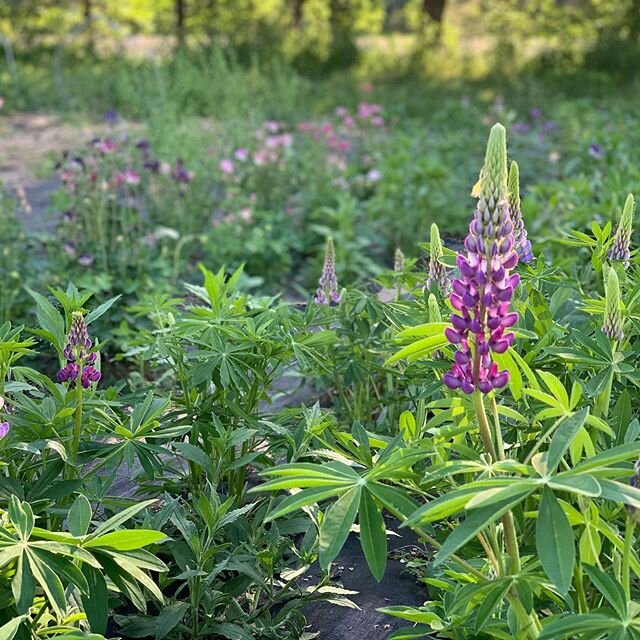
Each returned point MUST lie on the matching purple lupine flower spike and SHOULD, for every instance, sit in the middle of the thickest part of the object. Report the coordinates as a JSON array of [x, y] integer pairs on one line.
[[481, 296], [4, 429], [79, 359], [327, 291], [523, 246]]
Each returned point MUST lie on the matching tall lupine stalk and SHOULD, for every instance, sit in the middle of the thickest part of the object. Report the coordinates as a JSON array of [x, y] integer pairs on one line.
[[437, 272], [79, 370], [327, 291], [621, 248], [481, 321], [522, 244], [482, 294]]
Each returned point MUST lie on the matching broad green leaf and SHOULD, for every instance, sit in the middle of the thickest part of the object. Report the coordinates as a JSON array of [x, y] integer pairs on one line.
[[373, 536], [419, 349], [169, 618], [571, 626], [306, 497], [410, 633], [50, 583], [120, 518], [101, 309], [554, 542], [395, 501], [230, 631], [9, 630], [475, 522], [79, 516], [23, 585], [96, 602], [608, 458], [564, 434], [336, 525], [492, 601], [582, 484], [412, 614], [126, 539], [620, 493], [609, 588], [21, 516]]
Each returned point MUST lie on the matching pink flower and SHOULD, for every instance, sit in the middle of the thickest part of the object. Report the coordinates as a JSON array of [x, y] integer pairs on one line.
[[131, 177], [373, 175], [241, 154], [107, 145], [326, 128], [1, 102], [377, 121], [349, 122], [367, 110], [261, 157], [306, 126], [342, 112], [226, 166], [272, 125]]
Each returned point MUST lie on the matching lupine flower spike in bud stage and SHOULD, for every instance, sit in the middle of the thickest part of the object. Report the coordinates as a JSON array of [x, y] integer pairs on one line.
[[612, 324], [437, 271], [327, 291], [523, 246], [621, 248], [398, 261], [80, 359], [481, 296]]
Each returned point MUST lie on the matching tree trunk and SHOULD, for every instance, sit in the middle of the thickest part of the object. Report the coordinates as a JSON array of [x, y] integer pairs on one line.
[[180, 10], [434, 9], [296, 12]]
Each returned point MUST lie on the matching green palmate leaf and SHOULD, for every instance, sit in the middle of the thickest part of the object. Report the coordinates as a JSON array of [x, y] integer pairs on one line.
[[126, 539], [395, 500], [492, 601], [169, 618], [475, 522], [564, 434], [336, 525], [23, 585], [96, 602], [373, 536], [419, 349], [554, 542], [620, 493], [609, 588], [9, 630], [605, 459], [79, 516], [587, 625], [304, 498], [120, 518], [50, 583], [583, 484], [101, 309]]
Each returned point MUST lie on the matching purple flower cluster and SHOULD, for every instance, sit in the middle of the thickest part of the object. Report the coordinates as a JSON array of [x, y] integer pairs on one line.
[[481, 296], [327, 291], [80, 360], [4, 429]]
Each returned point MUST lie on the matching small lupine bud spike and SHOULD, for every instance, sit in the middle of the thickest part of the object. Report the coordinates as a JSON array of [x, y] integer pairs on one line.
[[79, 359], [493, 176], [522, 244], [434, 309], [327, 291], [612, 324], [398, 261], [437, 272], [621, 248]]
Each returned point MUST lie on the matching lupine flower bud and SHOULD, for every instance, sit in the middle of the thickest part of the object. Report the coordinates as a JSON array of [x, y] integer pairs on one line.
[[612, 324], [437, 271], [398, 261], [523, 246], [621, 247], [434, 316], [80, 360], [327, 291], [481, 296]]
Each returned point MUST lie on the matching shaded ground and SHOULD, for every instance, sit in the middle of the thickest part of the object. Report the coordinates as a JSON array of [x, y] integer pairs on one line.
[[398, 587]]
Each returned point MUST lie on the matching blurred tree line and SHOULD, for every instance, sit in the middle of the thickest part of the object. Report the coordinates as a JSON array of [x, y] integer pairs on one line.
[[322, 34]]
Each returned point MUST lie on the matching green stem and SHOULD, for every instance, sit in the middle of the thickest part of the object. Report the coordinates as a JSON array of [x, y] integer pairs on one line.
[[583, 607], [483, 424], [626, 557], [77, 428]]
